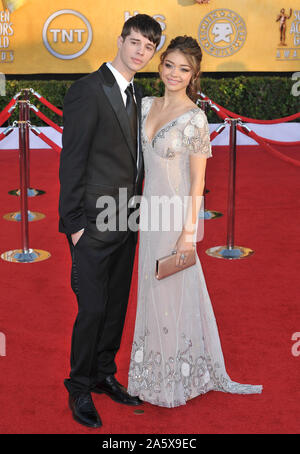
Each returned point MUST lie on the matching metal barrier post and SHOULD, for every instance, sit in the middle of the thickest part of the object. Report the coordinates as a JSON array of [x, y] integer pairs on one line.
[[31, 192], [230, 251], [207, 214], [24, 255]]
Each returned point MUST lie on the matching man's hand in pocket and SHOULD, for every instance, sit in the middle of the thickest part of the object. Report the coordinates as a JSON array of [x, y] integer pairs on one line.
[[75, 236]]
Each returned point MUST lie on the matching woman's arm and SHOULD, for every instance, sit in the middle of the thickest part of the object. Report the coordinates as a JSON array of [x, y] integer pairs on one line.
[[185, 243]]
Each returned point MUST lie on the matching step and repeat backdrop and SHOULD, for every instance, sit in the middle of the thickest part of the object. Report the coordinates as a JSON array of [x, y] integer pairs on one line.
[[75, 36]]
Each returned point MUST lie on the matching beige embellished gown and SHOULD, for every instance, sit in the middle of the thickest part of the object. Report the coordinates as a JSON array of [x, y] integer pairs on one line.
[[176, 352]]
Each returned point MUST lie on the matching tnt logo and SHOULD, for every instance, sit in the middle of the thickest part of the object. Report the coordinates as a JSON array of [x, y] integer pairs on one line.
[[67, 34]]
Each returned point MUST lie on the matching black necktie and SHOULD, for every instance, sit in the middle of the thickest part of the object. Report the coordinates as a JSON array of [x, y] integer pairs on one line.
[[132, 113]]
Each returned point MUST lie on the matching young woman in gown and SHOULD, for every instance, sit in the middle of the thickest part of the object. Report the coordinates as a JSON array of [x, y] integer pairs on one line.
[[176, 353]]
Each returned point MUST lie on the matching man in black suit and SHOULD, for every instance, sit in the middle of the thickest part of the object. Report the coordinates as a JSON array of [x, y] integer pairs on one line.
[[102, 154]]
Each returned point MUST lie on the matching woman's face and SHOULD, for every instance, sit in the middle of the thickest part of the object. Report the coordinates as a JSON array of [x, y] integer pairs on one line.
[[176, 71]]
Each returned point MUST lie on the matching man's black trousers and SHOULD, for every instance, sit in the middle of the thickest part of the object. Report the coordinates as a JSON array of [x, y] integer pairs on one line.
[[100, 278]]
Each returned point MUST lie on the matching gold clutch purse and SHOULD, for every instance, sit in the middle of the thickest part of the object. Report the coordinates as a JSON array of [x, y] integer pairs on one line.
[[166, 266]]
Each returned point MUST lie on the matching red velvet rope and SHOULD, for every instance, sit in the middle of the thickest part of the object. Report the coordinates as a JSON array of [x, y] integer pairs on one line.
[[221, 114], [46, 139], [47, 120], [283, 144], [4, 112], [268, 147], [262, 142], [4, 118], [215, 134], [253, 120], [5, 134], [48, 104]]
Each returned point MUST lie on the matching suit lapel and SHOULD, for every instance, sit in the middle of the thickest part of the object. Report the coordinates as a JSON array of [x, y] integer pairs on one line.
[[139, 112], [112, 92]]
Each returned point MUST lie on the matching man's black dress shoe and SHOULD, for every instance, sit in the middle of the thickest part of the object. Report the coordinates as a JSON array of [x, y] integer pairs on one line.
[[116, 391], [83, 410]]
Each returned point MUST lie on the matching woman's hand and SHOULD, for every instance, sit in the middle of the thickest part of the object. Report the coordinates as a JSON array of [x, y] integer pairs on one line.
[[184, 247]]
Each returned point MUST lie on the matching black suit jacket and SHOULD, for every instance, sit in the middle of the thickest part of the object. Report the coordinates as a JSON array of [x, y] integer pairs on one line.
[[98, 154]]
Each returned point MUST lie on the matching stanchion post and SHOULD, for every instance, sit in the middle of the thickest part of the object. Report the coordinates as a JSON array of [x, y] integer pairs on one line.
[[24, 105], [206, 214], [23, 181], [24, 255], [231, 184], [27, 118], [231, 251], [204, 105]]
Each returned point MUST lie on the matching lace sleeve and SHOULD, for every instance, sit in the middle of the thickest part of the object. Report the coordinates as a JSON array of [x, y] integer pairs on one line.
[[196, 137], [146, 104]]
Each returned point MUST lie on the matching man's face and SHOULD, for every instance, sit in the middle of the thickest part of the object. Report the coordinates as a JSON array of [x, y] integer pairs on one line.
[[135, 51]]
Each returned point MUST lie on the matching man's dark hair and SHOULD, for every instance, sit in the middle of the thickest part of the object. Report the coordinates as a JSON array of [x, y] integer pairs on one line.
[[144, 24]]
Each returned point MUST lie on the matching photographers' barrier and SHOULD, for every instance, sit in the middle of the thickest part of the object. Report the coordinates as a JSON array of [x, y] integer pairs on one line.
[[265, 143], [46, 103], [26, 254], [8, 109], [31, 192], [230, 251], [24, 115]]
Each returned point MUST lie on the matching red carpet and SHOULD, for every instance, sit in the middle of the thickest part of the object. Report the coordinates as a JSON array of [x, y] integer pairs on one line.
[[256, 303]]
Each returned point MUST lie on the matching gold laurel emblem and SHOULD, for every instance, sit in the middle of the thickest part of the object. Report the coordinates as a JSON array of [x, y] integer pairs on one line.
[[222, 32]]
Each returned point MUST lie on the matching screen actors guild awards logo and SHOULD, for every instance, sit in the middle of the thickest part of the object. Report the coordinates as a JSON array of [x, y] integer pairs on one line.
[[282, 18], [222, 33], [6, 32], [289, 35]]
